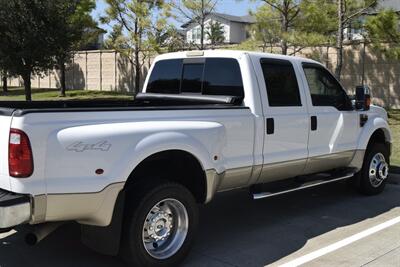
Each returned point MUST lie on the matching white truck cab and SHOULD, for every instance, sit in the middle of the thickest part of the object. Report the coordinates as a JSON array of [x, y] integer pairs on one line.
[[132, 172]]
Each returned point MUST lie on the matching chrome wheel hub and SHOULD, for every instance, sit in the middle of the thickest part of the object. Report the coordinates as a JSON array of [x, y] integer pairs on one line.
[[378, 170], [159, 226], [165, 228]]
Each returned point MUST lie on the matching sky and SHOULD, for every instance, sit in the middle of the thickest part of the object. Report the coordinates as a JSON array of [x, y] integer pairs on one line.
[[231, 7]]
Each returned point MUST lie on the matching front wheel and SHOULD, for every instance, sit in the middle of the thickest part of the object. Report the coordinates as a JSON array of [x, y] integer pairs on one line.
[[160, 225], [374, 173]]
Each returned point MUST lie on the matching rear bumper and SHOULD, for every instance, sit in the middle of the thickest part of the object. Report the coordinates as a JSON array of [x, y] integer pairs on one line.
[[15, 209]]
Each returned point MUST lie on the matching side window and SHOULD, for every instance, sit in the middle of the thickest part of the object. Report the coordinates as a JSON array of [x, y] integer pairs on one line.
[[166, 77], [222, 76], [325, 90], [281, 82]]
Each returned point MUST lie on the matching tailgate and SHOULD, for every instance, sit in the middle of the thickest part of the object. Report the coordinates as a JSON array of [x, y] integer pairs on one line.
[[5, 123]]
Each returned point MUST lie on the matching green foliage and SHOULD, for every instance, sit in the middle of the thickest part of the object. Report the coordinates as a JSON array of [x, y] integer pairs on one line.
[[27, 33], [76, 30], [248, 45], [384, 33], [319, 17], [139, 25], [115, 39], [174, 40], [267, 30], [215, 33], [294, 24]]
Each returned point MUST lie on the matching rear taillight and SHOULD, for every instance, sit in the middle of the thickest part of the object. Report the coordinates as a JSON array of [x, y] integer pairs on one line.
[[20, 160]]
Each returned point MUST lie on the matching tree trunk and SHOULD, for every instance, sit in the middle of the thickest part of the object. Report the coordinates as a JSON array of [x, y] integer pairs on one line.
[[203, 18], [62, 79], [27, 85], [137, 71], [202, 35], [5, 87], [138, 34], [339, 40], [284, 47]]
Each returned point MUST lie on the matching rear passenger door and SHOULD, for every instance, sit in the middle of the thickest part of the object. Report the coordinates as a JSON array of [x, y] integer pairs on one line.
[[286, 119]]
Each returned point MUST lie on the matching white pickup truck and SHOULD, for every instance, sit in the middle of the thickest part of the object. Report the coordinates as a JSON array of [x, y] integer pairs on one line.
[[132, 173]]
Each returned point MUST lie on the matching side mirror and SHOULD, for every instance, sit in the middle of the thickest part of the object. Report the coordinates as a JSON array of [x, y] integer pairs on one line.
[[363, 98]]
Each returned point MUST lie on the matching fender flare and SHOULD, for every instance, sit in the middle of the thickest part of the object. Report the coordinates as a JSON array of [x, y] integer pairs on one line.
[[370, 128]]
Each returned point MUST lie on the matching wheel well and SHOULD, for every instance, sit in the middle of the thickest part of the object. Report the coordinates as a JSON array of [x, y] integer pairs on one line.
[[172, 165], [379, 137]]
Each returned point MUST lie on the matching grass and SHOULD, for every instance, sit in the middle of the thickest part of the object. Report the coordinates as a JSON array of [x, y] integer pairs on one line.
[[17, 93], [394, 122]]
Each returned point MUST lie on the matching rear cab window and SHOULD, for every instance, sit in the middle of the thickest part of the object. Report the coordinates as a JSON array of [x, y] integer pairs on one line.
[[206, 76], [281, 83]]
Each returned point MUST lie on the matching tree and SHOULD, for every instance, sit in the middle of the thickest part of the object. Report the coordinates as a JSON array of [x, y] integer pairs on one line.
[[348, 11], [288, 11], [115, 39], [77, 28], [196, 11], [267, 29], [27, 30], [139, 19], [4, 78], [293, 24], [383, 32], [173, 39], [215, 33]]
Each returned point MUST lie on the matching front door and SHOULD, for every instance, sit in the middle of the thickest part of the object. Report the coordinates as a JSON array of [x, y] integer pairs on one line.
[[335, 125], [286, 120]]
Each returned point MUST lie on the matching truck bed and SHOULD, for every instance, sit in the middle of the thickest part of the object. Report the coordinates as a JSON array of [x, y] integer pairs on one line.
[[142, 102]]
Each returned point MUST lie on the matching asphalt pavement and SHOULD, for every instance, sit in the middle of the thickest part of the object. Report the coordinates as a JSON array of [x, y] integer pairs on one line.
[[325, 226]]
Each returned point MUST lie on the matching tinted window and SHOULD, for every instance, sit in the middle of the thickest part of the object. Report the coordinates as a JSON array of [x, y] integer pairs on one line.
[[211, 76], [222, 76], [325, 90], [166, 77], [192, 78], [281, 83]]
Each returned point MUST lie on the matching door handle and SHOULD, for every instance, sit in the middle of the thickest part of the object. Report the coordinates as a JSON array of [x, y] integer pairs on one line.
[[270, 126], [314, 123]]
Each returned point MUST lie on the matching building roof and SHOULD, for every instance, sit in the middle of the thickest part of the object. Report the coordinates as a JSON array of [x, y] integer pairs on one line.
[[248, 19]]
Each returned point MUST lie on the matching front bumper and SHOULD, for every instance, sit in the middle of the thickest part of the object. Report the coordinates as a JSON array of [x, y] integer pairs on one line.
[[15, 209]]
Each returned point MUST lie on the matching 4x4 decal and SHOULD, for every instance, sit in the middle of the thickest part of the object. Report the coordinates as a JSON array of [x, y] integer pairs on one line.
[[81, 146]]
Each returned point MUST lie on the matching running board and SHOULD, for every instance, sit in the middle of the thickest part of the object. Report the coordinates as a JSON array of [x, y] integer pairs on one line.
[[303, 186]]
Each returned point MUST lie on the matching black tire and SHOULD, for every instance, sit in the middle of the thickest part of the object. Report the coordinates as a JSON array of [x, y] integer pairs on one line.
[[362, 181], [140, 202]]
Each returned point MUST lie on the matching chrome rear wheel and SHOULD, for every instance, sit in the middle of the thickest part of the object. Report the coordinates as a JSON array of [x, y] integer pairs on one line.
[[165, 228]]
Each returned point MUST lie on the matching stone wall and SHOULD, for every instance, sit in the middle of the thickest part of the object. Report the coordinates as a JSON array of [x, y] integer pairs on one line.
[[109, 71], [91, 70], [381, 74]]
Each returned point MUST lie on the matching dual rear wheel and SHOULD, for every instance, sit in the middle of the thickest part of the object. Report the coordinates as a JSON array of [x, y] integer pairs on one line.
[[159, 226]]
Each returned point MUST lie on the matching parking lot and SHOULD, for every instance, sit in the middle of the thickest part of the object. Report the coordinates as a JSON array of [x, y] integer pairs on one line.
[[325, 226]]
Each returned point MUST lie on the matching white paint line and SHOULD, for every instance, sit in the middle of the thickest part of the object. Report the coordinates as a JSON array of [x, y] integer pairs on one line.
[[335, 246]]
